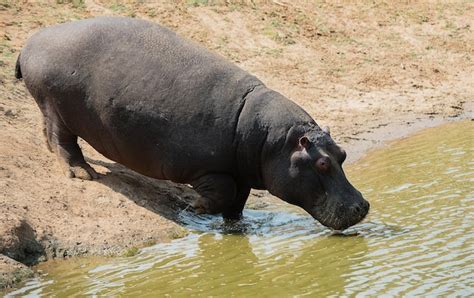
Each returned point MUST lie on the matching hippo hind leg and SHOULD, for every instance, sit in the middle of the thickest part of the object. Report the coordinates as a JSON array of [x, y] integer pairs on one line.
[[64, 144]]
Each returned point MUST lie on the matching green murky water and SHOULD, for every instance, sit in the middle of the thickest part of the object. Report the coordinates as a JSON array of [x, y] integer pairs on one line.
[[417, 241]]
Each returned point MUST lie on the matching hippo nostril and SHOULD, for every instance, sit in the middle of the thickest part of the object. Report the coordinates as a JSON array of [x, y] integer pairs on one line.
[[357, 209]]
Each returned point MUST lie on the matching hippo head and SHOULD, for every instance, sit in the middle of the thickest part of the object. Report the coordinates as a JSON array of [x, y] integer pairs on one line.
[[308, 173]]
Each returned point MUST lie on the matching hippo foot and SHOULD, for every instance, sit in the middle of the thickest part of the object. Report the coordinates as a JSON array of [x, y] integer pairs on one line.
[[82, 171]]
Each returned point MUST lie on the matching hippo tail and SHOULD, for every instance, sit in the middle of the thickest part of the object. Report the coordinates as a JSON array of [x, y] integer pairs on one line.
[[18, 74]]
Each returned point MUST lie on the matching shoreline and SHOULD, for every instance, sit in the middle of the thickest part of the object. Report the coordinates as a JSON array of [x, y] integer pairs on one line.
[[381, 137], [13, 273]]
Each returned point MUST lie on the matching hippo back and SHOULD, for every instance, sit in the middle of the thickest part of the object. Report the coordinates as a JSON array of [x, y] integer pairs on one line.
[[140, 94]]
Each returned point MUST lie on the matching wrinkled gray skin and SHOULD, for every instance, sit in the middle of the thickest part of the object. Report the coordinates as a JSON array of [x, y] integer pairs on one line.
[[169, 109]]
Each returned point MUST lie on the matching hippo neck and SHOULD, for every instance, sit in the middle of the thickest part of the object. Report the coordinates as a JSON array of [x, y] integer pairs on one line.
[[264, 124]]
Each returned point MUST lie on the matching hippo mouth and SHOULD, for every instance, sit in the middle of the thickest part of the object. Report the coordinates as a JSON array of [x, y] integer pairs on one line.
[[339, 216]]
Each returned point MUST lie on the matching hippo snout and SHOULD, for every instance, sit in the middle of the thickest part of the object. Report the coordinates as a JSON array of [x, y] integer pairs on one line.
[[339, 215]]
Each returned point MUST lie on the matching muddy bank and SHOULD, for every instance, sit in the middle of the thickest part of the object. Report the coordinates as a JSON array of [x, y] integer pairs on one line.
[[371, 77], [12, 272]]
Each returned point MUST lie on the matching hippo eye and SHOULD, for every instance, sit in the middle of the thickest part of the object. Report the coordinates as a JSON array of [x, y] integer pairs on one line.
[[323, 164]]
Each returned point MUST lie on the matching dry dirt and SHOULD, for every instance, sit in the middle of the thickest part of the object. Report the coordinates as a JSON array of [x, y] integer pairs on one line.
[[372, 70]]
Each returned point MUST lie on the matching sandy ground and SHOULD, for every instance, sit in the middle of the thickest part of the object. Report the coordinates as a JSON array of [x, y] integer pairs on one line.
[[373, 71]]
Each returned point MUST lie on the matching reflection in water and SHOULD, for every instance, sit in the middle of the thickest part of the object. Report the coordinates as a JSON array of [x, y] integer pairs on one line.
[[279, 252], [417, 240]]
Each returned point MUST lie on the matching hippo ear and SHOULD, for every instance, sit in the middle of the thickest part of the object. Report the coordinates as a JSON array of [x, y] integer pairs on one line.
[[304, 142], [326, 130]]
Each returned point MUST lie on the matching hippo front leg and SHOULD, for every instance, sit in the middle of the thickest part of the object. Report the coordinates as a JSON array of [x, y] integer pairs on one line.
[[235, 208], [220, 194]]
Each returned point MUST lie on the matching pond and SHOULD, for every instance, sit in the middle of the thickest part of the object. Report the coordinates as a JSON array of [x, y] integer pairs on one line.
[[417, 241]]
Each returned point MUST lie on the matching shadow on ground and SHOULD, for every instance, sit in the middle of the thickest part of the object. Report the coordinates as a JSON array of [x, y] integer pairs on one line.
[[165, 198]]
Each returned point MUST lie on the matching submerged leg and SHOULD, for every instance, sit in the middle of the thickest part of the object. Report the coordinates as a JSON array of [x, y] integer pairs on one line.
[[234, 209]]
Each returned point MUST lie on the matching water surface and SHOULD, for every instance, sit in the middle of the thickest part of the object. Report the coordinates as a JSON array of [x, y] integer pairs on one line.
[[417, 241]]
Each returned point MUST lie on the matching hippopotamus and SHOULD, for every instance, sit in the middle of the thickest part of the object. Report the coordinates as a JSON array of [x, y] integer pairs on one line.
[[170, 109]]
